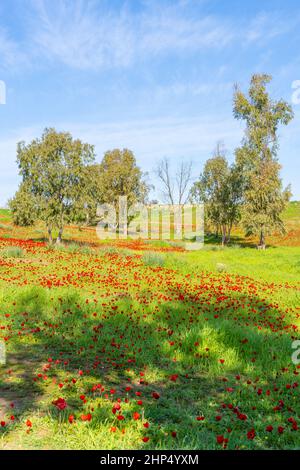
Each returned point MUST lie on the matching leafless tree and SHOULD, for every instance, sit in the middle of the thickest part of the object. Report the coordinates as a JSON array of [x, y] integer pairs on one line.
[[175, 188]]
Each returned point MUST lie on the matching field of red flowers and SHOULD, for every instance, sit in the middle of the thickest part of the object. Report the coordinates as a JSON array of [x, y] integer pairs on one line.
[[109, 349]]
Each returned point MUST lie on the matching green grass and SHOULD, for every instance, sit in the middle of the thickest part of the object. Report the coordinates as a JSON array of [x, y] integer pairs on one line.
[[153, 259], [131, 320], [12, 252], [140, 318], [292, 211]]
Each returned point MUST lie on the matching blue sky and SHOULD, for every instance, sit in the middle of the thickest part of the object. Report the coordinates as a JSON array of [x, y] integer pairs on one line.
[[154, 76]]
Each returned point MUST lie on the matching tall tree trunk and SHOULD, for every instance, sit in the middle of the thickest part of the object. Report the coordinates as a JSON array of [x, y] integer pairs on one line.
[[59, 236], [224, 240], [50, 235], [229, 233], [262, 243]]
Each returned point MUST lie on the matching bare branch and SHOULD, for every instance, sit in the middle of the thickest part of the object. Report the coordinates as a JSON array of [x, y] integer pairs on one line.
[[183, 178], [163, 173]]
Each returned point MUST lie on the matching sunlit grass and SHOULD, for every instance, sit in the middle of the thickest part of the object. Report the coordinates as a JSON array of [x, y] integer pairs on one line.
[[169, 323]]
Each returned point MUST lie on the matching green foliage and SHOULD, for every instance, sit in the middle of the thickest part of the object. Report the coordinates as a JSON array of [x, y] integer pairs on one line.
[[256, 159], [70, 248], [86, 208], [120, 176], [74, 248], [24, 206], [153, 259], [12, 252], [219, 188], [56, 180]]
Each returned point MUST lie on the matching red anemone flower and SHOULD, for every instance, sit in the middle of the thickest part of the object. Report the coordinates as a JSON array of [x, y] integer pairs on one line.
[[60, 403]]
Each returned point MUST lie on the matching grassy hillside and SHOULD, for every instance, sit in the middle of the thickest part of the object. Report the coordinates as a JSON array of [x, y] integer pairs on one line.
[[150, 347]]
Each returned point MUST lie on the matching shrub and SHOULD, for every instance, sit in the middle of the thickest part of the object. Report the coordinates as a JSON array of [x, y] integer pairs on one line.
[[221, 268], [74, 248], [12, 252], [86, 250], [153, 259], [110, 250]]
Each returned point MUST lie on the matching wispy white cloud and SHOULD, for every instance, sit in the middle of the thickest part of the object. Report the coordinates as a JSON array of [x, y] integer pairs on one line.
[[88, 34], [82, 36], [167, 31], [77, 35], [266, 26], [11, 55], [191, 88], [151, 139]]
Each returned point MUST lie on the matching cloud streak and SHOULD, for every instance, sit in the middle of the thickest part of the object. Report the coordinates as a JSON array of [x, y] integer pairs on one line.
[[75, 34], [90, 35], [265, 27], [11, 55], [85, 35]]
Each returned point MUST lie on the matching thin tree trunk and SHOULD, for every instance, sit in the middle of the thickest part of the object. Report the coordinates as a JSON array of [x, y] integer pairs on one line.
[[229, 233], [224, 235], [59, 236], [50, 235], [262, 243]]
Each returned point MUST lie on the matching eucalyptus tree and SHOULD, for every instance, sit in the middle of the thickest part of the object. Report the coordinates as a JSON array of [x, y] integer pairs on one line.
[[121, 176], [219, 188], [55, 183], [256, 159]]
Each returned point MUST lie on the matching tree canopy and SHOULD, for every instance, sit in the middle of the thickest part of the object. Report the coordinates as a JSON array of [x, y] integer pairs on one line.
[[121, 176], [55, 180], [219, 188], [256, 159]]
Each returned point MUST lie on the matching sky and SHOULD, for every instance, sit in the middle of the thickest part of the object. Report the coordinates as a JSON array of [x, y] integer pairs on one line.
[[153, 76]]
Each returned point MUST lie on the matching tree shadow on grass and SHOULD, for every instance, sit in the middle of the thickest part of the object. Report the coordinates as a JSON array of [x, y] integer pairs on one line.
[[212, 240], [123, 342]]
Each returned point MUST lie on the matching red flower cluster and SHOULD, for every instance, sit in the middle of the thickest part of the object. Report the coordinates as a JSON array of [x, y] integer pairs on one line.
[[60, 403]]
